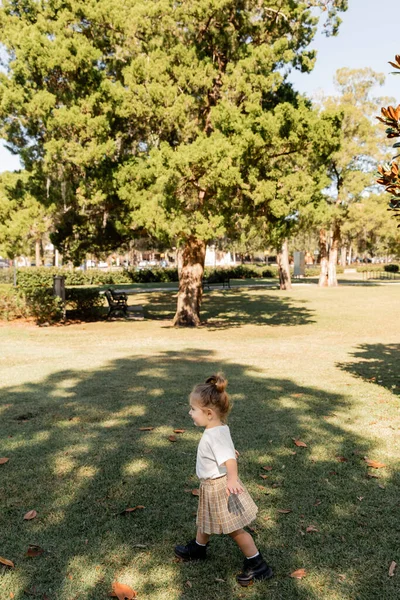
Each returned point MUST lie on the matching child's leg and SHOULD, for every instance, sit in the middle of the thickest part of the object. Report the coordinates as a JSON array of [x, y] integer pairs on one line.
[[202, 538], [245, 542]]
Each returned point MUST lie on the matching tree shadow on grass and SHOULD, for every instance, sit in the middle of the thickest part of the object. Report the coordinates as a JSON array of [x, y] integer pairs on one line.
[[235, 308], [376, 363], [80, 459]]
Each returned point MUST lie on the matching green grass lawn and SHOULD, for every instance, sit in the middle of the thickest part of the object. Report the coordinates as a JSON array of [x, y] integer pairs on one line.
[[317, 365]]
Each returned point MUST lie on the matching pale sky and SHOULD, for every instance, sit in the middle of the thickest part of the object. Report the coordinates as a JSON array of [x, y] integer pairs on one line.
[[368, 37]]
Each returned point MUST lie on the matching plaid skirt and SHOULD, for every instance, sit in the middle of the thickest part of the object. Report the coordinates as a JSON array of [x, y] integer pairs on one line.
[[219, 513]]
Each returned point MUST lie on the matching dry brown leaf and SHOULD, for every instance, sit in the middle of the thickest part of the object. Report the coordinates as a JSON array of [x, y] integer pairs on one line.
[[129, 510], [189, 584], [34, 550], [146, 428], [299, 574], [297, 395], [6, 562], [317, 502], [4, 460], [374, 464], [360, 498], [267, 468], [12, 595], [172, 438], [284, 511], [264, 476], [341, 459], [392, 567], [341, 577], [381, 486], [299, 443], [311, 528], [196, 492], [179, 430], [372, 476], [122, 591], [30, 515], [220, 580]]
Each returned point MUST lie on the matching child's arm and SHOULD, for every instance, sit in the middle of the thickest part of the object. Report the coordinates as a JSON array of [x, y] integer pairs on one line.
[[232, 484]]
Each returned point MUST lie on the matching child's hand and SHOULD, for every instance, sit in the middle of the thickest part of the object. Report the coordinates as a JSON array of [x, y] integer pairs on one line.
[[237, 454], [233, 487]]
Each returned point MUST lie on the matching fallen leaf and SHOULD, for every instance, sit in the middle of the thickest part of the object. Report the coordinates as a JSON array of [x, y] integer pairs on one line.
[[264, 476], [374, 463], [139, 545], [372, 476], [122, 591], [179, 430], [267, 468], [172, 438], [392, 567], [30, 515], [341, 577], [341, 459], [311, 528], [317, 502], [360, 498], [196, 492], [293, 452], [11, 595], [220, 580], [146, 428], [6, 562], [284, 511], [297, 395], [381, 486], [189, 584], [299, 574], [34, 550], [276, 485], [299, 443], [129, 510], [4, 460]]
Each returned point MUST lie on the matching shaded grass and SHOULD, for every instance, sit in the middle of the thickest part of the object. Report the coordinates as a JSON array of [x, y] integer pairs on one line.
[[299, 366]]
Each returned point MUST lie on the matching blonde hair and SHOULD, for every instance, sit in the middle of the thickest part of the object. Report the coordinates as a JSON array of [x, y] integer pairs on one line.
[[212, 393]]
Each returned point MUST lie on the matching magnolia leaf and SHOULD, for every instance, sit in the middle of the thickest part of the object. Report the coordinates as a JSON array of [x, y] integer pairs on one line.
[[264, 476], [311, 528], [179, 430], [374, 464], [196, 492], [4, 460], [34, 550], [299, 443], [30, 515], [267, 468], [392, 567], [6, 562], [130, 510], [146, 428], [284, 511], [122, 591], [172, 438], [299, 574]]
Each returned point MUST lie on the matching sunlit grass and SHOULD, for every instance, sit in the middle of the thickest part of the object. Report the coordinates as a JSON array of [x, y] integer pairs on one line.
[[316, 365]]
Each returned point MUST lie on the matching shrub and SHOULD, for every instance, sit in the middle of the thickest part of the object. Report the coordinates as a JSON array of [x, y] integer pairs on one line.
[[12, 304], [6, 275], [270, 272], [84, 302], [43, 305], [391, 268]]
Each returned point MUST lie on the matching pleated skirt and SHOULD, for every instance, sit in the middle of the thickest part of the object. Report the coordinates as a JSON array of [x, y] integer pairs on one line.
[[219, 513]]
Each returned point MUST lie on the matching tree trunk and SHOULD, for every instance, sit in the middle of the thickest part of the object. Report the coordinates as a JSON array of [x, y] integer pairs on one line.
[[38, 253], [190, 284], [283, 267], [343, 256], [323, 255], [333, 255]]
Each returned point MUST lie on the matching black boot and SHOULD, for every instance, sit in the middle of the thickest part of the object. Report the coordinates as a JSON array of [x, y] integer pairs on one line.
[[192, 551], [254, 569]]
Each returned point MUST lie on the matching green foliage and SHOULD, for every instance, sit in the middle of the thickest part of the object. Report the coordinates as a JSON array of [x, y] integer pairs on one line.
[[171, 118], [6, 275], [12, 304], [391, 268], [84, 302], [43, 305]]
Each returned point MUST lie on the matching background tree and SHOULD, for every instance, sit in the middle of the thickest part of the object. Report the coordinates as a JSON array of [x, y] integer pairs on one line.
[[351, 169], [167, 116]]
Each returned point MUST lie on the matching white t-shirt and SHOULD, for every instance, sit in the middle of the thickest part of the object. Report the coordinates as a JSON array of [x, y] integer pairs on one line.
[[215, 447]]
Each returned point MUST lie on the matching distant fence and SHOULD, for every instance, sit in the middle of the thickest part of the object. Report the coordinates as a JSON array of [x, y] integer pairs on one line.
[[380, 275]]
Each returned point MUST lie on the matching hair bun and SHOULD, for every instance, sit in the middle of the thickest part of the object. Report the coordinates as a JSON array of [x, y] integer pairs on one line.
[[218, 381]]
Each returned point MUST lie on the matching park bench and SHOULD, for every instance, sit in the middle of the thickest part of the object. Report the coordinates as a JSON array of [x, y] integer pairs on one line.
[[223, 280], [118, 305]]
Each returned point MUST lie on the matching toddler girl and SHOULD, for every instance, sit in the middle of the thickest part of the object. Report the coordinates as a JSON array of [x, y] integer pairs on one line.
[[225, 506]]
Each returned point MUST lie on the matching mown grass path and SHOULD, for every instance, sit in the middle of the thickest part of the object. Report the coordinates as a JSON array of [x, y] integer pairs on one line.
[[317, 365]]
